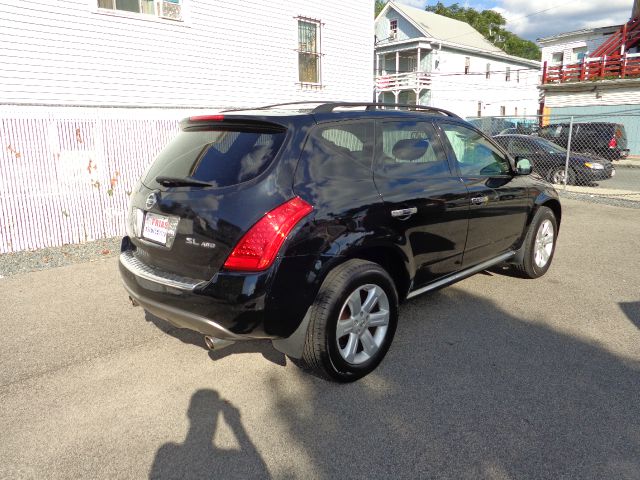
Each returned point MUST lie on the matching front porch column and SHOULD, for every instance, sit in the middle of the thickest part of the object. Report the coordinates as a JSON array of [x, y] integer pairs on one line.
[[397, 63], [419, 64]]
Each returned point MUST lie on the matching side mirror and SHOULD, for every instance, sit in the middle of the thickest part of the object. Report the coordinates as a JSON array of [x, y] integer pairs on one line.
[[523, 166]]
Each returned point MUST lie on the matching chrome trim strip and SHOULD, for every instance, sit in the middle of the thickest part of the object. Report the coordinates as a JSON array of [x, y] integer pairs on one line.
[[142, 270], [462, 274]]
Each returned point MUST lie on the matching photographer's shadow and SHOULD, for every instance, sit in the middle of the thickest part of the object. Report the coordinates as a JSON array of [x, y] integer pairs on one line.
[[198, 457]]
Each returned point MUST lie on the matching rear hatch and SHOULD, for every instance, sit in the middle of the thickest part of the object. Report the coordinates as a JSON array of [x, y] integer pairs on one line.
[[204, 190], [620, 134]]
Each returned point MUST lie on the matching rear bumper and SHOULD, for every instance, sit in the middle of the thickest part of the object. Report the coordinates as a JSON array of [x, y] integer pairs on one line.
[[231, 306], [183, 318]]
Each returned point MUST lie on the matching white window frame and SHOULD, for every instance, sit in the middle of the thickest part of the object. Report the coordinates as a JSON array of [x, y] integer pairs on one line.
[[577, 51], [507, 74], [391, 29], [555, 62], [155, 16], [318, 23]]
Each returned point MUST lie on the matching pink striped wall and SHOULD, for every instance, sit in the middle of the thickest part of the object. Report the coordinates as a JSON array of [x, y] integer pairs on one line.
[[66, 173]]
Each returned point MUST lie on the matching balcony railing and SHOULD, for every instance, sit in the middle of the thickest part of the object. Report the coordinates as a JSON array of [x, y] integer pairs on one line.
[[399, 81], [602, 68]]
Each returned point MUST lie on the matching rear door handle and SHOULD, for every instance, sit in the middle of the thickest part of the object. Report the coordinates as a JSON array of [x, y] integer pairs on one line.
[[404, 212], [479, 200]]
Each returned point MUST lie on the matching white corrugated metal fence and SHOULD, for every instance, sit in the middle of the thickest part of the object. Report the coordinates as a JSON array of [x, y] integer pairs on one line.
[[66, 173]]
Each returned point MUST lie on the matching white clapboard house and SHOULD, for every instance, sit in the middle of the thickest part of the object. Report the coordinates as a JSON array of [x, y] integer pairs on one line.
[[90, 90], [428, 59]]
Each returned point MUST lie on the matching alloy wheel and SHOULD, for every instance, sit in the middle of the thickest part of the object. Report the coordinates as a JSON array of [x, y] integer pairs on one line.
[[543, 244], [362, 324]]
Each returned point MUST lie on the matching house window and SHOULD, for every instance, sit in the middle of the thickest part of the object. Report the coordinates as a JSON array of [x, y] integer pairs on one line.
[[518, 76], [393, 27], [579, 53], [507, 75], [170, 9], [309, 51], [516, 111], [467, 65], [479, 109], [503, 111], [488, 74], [557, 58]]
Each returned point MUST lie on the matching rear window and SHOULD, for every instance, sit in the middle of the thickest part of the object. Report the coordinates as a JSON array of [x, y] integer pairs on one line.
[[222, 157]]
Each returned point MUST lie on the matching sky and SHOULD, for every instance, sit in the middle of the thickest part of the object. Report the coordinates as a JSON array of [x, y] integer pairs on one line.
[[527, 18]]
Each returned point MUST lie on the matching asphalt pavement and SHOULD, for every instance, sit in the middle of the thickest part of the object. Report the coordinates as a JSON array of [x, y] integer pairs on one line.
[[494, 377], [624, 179]]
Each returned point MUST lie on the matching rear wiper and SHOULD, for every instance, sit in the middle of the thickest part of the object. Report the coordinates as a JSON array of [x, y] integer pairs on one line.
[[181, 182]]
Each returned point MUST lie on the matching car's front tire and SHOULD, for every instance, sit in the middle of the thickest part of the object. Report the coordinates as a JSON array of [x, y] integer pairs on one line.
[[352, 322], [539, 245], [557, 176]]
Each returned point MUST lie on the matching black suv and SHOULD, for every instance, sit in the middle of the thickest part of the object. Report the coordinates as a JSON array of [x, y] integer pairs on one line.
[[308, 226], [603, 139]]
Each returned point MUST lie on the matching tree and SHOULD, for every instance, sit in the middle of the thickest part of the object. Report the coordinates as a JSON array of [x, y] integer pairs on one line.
[[491, 25], [379, 6]]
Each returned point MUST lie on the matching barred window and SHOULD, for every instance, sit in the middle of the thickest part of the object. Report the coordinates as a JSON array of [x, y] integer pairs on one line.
[[170, 9], [309, 51]]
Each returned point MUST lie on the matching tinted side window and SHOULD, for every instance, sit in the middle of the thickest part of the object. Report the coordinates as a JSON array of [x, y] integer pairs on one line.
[[336, 149], [475, 155], [410, 148], [552, 131], [521, 147]]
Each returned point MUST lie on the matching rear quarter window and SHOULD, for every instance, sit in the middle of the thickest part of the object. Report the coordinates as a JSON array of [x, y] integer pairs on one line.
[[222, 156], [343, 149]]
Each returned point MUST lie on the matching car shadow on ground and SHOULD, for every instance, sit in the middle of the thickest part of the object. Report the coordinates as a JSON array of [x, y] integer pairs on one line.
[[469, 390], [632, 311], [198, 457], [263, 347]]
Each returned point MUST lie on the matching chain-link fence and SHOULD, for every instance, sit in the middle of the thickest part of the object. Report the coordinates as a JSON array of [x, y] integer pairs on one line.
[[593, 156]]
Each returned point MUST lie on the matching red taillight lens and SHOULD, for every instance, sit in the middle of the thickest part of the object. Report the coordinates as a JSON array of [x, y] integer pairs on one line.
[[207, 118], [613, 143], [258, 248]]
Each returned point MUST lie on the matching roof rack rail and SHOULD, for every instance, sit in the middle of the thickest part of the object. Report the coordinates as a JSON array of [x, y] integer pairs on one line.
[[330, 106], [266, 107]]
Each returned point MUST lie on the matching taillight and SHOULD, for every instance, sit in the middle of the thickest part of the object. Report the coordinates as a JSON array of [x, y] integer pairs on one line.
[[613, 143], [258, 248]]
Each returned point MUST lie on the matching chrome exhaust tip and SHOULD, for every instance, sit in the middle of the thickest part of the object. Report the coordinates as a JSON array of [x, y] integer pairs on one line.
[[214, 343]]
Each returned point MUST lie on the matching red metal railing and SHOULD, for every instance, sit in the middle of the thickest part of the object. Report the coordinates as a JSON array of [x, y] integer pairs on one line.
[[628, 35], [603, 68]]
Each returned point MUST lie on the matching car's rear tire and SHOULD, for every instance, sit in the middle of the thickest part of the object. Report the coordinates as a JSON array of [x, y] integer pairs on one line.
[[557, 176], [539, 245], [352, 322]]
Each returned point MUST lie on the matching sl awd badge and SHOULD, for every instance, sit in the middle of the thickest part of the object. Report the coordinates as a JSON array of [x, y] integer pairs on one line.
[[192, 241]]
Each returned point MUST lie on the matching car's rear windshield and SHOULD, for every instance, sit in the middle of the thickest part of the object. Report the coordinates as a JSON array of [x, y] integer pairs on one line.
[[222, 156]]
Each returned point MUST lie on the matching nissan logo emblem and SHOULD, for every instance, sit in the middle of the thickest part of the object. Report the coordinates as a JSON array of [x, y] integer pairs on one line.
[[151, 201]]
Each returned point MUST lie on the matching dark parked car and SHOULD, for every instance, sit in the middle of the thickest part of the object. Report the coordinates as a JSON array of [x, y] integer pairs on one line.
[[608, 140], [549, 160], [308, 226]]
